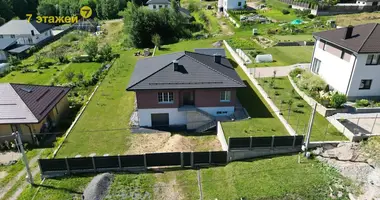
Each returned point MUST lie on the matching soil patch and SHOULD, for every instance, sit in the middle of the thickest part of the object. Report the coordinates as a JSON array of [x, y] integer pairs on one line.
[[163, 191], [7, 158]]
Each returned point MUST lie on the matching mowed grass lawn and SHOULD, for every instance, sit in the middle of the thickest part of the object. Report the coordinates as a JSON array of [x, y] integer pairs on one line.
[[88, 69], [285, 56], [272, 178], [104, 126], [300, 111], [263, 121]]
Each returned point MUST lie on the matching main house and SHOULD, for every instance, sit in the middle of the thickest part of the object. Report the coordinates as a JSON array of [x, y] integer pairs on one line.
[[17, 36], [348, 59], [30, 109], [184, 89]]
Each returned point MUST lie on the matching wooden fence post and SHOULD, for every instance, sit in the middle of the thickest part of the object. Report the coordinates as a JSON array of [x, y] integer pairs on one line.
[[272, 142], [93, 163], [67, 166], [119, 160], [182, 161]]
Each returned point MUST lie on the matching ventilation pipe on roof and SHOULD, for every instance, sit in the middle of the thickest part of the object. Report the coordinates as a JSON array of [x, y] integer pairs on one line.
[[175, 63], [217, 58], [348, 32], [32, 32]]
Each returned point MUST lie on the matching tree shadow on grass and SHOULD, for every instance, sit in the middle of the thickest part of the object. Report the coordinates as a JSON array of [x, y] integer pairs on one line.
[[252, 102]]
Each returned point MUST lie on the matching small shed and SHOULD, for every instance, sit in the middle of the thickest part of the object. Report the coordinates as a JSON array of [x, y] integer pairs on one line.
[[264, 58], [255, 31]]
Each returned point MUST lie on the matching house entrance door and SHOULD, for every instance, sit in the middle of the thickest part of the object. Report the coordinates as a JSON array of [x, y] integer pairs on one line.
[[188, 98]]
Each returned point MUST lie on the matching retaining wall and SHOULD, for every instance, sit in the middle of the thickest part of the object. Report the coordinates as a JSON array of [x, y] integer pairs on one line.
[[221, 137]]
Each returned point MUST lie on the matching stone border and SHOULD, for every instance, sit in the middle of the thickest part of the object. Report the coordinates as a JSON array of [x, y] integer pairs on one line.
[[325, 112], [367, 110], [260, 89]]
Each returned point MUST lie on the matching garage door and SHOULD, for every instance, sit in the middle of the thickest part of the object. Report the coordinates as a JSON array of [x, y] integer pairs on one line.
[[159, 120]]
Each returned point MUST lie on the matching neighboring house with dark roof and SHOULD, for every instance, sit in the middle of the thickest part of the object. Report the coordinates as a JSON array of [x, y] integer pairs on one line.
[[30, 109], [16, 33], [368, 2], [184, 89], [348, 59]]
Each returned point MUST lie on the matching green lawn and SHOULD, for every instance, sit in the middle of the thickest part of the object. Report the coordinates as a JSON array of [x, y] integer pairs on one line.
[[263, 121], [275, 178], [300, 111], [88, 69], [274, 11], [284, 56]]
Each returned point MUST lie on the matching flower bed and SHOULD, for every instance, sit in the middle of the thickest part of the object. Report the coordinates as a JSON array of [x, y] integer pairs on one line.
[[313, 90]]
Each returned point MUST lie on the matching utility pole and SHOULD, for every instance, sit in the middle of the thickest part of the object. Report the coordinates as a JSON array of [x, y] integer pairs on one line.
[[311, 122], [24, 158]]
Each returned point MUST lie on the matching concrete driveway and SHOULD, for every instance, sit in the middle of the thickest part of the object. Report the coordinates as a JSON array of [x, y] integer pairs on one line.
[[262, 72]]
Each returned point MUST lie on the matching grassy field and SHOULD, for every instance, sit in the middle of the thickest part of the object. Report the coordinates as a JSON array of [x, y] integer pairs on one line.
[[274, 11], [293, 38], [285, 56], [274, 178], [356, 19], [88, 69], [263, 121], [300, 111]]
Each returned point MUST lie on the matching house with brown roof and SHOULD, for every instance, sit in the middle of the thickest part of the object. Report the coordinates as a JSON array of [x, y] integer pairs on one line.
[[348, 59], [30, 109], [185, 89]]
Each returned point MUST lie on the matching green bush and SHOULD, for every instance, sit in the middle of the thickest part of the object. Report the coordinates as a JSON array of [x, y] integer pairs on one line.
[[296, 71], [362, 103], [311, 82], [300, 105], [337, 100], [285, 12]]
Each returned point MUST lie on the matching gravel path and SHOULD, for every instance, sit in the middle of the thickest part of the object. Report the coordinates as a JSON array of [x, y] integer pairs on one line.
[[261, 72], [20, 175]]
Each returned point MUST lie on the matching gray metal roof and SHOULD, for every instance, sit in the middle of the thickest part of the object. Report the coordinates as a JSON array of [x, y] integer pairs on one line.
[[6, 42], [23, 27], [21, 103], [195, 71], [158, 2], [211, 51], [20, 49], [365, 38], [184, 11]]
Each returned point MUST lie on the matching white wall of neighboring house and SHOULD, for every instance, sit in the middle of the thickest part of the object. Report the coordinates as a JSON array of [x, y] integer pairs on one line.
[[151, 6], [365, 72], [29, 39], [334, 70], [233, 4], [363, 3]]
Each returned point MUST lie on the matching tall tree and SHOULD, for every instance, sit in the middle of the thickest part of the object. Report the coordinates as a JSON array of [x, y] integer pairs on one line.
[[108, 9], [20, 8], [174, 5], [6, 10], [47, 9]]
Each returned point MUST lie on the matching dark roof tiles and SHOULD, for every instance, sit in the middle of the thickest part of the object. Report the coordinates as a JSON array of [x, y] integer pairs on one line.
[[195, 71], [365, 38]]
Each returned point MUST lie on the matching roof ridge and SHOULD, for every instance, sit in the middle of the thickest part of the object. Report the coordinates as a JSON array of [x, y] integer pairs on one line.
[[369, 35], [217, 71], [30, 111], [154, 72]]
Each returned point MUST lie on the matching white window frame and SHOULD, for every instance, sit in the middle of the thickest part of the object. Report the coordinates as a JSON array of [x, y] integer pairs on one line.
[[316, 65], [165, 97], [373, 59], [225, 96]]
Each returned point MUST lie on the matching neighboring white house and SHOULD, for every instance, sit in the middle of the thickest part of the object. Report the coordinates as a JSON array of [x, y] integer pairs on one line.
[[17, 36], [348, 59], [233, 5], [157, 4]]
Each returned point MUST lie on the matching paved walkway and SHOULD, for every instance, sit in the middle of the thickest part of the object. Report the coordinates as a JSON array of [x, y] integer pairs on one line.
[[262, 72], [360, 123]]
